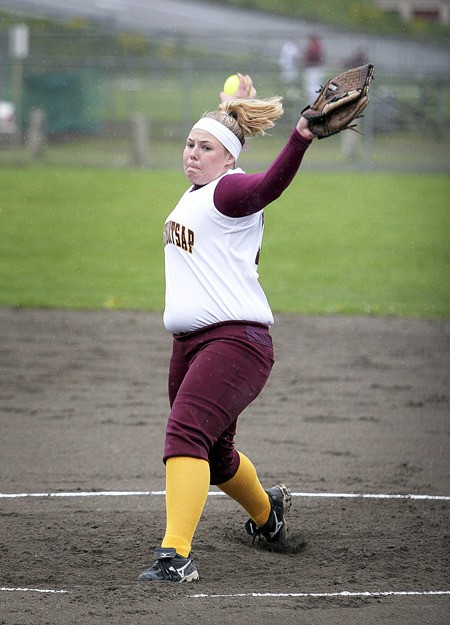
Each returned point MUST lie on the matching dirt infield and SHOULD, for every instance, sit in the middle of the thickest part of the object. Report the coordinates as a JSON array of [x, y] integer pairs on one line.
[[354, 405]]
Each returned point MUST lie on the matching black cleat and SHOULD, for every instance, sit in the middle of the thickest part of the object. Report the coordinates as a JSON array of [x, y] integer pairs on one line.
[[276, 527], [170, 567]]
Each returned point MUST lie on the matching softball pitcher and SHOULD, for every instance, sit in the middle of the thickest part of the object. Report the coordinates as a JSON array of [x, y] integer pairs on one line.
[[219, 317]]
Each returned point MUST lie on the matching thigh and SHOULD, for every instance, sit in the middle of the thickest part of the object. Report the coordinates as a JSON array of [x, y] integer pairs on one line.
[[223, 378], [178, 367]]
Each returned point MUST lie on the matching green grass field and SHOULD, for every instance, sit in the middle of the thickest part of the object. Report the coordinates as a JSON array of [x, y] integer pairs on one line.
[[345, 243]]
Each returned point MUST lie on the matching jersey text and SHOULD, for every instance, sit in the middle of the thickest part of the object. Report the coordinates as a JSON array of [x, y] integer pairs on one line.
[[178, 235]]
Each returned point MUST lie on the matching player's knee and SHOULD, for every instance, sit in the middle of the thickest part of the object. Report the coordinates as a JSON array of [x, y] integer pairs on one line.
[[223, 468]]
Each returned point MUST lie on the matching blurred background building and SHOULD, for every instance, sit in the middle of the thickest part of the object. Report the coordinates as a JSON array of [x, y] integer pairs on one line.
[[433, 10]]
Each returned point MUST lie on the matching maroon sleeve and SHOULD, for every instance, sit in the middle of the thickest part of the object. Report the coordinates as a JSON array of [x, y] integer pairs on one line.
[[244, 194]]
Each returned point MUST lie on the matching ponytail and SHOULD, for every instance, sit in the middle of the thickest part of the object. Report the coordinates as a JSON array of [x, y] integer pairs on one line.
[[248, 117]]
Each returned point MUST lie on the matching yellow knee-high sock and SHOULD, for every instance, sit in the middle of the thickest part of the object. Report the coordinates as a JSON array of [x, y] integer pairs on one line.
[[245, 488], [187, 486]]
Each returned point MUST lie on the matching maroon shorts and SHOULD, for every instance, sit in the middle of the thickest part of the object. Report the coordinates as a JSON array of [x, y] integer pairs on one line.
[[214, 374]]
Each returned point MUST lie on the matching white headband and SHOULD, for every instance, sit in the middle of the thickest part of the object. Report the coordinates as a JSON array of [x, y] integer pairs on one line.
[[227, 138]]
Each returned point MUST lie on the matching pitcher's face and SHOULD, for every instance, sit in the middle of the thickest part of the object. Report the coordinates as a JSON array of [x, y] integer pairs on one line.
[[205, 158]]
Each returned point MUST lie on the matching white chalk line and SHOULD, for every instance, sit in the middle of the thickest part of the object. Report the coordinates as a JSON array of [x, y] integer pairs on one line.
[[274, 595], [252, 594], [158, 493], [42, 590], [324, 595]]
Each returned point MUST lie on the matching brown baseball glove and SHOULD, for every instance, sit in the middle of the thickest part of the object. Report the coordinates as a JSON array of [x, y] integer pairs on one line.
[[340, 102]]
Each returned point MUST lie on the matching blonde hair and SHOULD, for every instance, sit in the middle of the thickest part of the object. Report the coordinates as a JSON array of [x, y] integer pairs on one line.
[[248, 117]]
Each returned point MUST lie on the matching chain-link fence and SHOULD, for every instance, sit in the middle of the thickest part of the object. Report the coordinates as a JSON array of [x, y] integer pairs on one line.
[[126, 104]]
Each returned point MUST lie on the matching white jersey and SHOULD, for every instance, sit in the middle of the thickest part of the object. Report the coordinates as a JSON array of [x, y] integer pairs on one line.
[[211, 264]]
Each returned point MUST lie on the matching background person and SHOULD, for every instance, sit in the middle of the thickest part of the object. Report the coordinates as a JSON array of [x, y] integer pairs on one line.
[[352, 142], [313, 60], [289, 61]]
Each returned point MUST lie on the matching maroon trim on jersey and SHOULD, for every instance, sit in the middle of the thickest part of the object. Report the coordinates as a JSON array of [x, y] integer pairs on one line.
[[243, 194], [214, 374]]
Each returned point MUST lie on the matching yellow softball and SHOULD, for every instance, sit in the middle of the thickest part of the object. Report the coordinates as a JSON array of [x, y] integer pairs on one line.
[[232, 84]]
